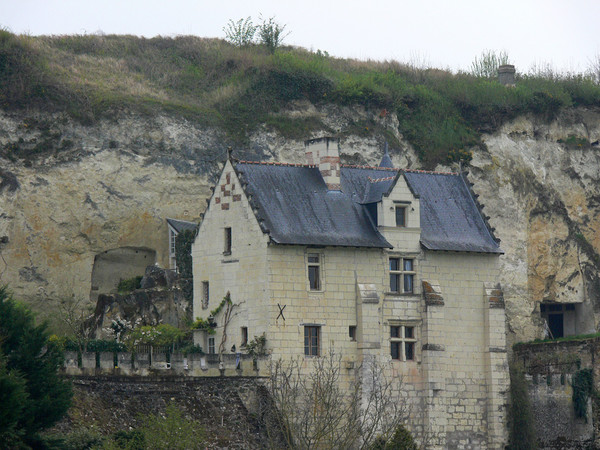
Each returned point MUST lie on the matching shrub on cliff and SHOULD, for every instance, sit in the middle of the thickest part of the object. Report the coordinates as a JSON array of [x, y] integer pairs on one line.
[[29, 379]]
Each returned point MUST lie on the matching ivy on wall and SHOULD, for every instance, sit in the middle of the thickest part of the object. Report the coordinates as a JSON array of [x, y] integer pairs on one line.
[[183, 256], [521, 422], [583, 386]]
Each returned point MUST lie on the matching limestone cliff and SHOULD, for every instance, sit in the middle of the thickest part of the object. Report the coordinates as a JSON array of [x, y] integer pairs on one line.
[[84, 192]]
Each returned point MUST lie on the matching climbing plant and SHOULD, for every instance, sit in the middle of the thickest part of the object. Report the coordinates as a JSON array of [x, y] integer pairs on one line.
[[583, 386], [521, 426], [183, 252], [183, 256], [209, 324]]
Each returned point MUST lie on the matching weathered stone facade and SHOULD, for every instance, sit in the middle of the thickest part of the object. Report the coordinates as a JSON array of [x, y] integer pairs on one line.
[[456, 379]]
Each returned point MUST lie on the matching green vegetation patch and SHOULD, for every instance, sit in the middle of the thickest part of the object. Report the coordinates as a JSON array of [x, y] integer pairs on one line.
[[240, 88], [129, 285], [578, 337]]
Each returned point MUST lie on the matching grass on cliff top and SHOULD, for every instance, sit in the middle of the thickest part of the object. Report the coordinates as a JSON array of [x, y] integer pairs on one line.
[[238, 90]]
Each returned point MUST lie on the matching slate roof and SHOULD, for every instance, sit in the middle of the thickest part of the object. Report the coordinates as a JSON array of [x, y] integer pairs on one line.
[[295, 207], [450, 218], [180, 225]]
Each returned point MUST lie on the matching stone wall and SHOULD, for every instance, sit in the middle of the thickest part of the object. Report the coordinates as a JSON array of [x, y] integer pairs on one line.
[[230, 410], [549, 369]]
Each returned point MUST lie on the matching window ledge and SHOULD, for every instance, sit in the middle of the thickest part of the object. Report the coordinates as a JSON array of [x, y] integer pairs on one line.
[[401, 294], [227, 261]]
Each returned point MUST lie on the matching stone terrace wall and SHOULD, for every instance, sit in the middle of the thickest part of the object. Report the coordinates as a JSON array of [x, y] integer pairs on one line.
[[549, 369], [230, 410], [152, 364]]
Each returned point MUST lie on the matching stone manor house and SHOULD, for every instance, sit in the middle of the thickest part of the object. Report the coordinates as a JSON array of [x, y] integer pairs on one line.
[[378, 263]]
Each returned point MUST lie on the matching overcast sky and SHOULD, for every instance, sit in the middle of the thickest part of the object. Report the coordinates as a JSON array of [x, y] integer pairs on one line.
[[445, 34]]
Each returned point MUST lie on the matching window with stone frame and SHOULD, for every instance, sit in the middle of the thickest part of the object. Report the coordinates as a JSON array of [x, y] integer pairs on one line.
[[244, 339], [402, 342], [205, 294], [211, 345], [172, 251], [315, 272], [402, 275], [352, 332], [227, 243], [312, 340], [401, 216]]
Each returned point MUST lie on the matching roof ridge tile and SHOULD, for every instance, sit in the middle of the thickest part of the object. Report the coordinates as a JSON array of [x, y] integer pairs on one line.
[[377, 180], [276, 163], [432, 172], [357, 166]]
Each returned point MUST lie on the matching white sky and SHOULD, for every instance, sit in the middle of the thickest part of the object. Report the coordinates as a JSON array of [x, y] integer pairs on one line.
[[444, 34]]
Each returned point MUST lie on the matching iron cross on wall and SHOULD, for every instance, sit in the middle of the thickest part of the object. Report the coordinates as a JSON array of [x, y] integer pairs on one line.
[[281, 308]]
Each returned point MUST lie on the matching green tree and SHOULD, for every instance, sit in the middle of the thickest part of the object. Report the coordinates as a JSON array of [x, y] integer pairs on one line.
[[13, 397], [240, 33], [29, 364], [271, 34]]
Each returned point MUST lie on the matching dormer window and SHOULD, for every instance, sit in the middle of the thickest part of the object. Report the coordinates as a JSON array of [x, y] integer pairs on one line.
[[400, 216]]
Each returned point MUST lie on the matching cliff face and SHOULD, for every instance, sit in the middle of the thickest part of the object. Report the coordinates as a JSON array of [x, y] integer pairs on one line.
[[540, 184], [69, 194]]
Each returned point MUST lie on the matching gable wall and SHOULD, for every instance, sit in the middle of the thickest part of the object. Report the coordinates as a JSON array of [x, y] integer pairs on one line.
[[242, 273]]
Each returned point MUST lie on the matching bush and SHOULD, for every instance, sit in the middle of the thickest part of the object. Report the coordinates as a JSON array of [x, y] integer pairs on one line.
[[172, 431], [240, 33], [271, 34], [158, 335], [129, 285]]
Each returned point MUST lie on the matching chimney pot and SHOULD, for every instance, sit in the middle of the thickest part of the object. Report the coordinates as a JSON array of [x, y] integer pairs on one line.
[[506, 75]]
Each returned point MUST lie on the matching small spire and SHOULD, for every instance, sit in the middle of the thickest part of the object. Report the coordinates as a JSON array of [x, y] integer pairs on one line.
[[229, 150], [386, 161]]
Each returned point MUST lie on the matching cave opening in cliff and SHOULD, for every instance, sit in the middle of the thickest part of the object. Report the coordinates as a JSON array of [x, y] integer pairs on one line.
[[114, 265], [561, 319]]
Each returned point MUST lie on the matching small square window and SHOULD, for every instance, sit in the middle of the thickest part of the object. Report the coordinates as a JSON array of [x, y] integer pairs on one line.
[[400, 216], [352, 332], [311, 340], [314, 271], [227, 246]]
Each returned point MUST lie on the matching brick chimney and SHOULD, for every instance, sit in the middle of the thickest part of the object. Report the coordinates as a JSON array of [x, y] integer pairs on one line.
[[325, 154]]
